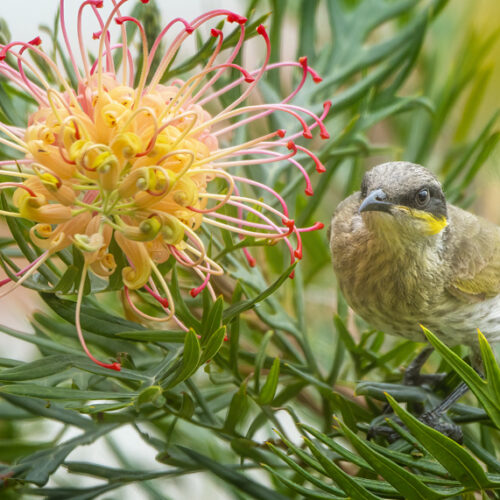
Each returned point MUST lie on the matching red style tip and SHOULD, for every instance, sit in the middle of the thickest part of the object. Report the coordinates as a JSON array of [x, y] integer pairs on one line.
[[251, 261], [194, 292], [327, 105], [235, 18], [292, 275], [36, 41], [163, 302], [3, 55], [319, 225], [261, 30], [324, 135], [317, 79], [291, 146], [303, 61], [215, 32], [119, 20], [249, 79], [114, 366], [298, 254], [307, 134], [289, 223], [189, 29], [96, 35], [309, 192], [145, 1], [97, 4], [281, 132]]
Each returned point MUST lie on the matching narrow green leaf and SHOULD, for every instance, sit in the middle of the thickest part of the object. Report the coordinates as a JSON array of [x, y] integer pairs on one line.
[[237, 408], [54, 411], [242, 482], [213, 320], [102, 407], [45, 367], [245, 305], [39, 341], [490, 365], [213, 345], [344, 480], [401, 392], [149, 395], [352, 413], [153, 336], [234, 344], [478, 386], [182, 310], [303, 472], [405, 482], [260, 358], [409, 460], [453, 457], [306, 493], [337, 448], [302, 455], [50, 365], [43, 392], [344, 334], [38, 467], [190, 360], [69, 280], [93, 319], [187, 407], [271, 384]]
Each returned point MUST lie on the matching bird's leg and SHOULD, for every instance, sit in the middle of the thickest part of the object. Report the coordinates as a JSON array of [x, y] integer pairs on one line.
[[412, 374], [433, 418]]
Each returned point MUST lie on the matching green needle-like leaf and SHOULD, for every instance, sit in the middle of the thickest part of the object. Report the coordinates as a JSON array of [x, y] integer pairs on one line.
[[244, 483], [405, 482], [485, 392], [190, 360], [460, 464], [271, 384], [346, 482]]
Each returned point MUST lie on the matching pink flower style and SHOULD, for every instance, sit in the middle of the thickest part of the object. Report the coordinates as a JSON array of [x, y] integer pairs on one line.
[[110, 160]]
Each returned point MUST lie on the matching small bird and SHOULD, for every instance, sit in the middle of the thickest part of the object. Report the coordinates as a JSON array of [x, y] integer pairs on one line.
[[404, 257]]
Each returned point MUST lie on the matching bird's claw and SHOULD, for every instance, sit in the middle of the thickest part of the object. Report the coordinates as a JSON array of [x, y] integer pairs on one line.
[[430, 418], [449, 429]]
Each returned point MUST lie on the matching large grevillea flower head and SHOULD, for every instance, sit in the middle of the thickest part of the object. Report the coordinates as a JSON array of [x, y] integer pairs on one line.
[[142, 165]]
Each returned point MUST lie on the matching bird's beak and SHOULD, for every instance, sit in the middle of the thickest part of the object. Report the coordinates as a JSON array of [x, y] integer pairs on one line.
[[376, 201]]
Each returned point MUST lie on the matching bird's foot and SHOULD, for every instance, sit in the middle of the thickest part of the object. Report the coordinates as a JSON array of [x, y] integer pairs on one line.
[[430, 418], [435, 420], [412, 375]]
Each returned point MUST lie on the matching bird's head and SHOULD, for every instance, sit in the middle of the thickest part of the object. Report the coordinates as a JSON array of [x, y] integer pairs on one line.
[[403, 200]]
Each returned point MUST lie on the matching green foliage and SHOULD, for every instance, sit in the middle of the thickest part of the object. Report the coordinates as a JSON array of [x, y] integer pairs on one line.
[[264, 354]]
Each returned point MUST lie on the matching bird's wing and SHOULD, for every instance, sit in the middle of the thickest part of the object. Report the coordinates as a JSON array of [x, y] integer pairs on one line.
[[475, 256]]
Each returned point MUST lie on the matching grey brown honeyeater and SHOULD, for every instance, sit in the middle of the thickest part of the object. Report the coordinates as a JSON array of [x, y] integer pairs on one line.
[[404, 257]]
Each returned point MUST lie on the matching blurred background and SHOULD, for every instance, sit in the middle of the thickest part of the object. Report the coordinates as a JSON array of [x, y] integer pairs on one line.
[[447, 121]]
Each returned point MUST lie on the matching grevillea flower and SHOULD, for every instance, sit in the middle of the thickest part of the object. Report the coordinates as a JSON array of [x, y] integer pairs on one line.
[[147, 165]]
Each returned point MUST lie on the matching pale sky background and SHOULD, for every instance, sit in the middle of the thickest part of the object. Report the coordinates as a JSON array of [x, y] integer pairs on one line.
[[24, 16]]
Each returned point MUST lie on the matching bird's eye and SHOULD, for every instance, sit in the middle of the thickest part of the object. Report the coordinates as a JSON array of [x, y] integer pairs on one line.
[[422, 197]]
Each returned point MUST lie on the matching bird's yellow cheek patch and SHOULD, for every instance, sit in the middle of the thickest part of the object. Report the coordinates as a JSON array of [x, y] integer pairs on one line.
[[433, 225]]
